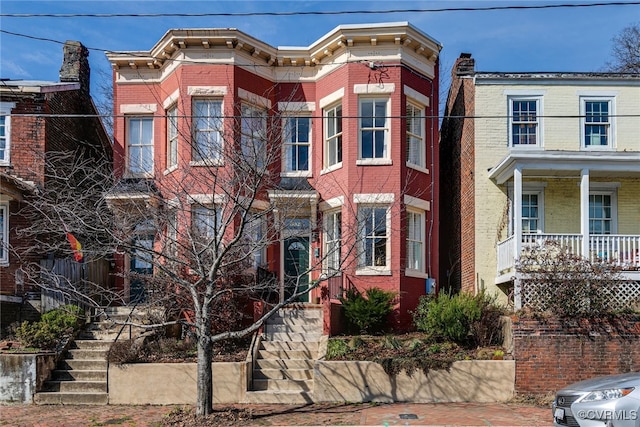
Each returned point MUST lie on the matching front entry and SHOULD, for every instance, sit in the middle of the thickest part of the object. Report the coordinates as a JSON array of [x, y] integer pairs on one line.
[[296, 266], [141, 265]]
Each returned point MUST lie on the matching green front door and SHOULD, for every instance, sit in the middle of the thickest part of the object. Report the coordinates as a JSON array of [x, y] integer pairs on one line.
[[296, 266]]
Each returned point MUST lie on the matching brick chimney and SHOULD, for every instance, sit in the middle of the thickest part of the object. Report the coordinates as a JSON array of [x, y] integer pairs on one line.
[[465, 65], [75, 64]]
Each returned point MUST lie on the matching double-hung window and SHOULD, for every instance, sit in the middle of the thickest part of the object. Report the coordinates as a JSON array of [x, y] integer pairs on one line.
[[297, 144], [531, 213], [4, 234], [333, 241], [415, 136], [415, 240], [254, 135], [333, 136], [373, 225], [596, 122], [207, 130], [205, 221], [256, 229], [172, 137], [140, 146], [601, 213], [524, 117], [5, 131], [374, 129]]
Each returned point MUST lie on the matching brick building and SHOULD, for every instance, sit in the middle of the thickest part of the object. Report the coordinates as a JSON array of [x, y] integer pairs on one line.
[[35, 121], [537, 157], [361, 102]]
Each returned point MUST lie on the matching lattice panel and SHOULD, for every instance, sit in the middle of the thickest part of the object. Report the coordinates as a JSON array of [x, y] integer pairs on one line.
[[620, 296]]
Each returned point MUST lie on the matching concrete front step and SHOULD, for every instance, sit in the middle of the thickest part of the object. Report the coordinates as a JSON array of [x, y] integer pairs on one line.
[[282, 385], [84, 354], [83, 365], [297, 329], [296, 321], [284, 364], [311, 346], [286, 354], [53, 398], [75, 386], [291, 336], [66, 375], [284, 397], [90, 344], [283, 374]]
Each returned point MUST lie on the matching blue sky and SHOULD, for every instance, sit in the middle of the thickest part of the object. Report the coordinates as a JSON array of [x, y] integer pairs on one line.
[[565, 39]]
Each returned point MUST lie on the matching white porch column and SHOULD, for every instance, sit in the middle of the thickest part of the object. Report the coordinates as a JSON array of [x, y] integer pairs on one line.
[[584, 211], [517, 231], [517, 211]]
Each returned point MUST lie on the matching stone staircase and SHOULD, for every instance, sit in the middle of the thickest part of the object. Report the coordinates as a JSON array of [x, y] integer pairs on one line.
[[80, 378], [283, 369]]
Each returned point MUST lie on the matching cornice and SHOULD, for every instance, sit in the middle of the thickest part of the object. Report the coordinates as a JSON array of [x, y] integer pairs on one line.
[[386, 41]]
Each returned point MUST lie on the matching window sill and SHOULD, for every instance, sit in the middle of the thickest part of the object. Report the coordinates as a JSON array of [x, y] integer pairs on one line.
[[171, 169], [597, 148], [418, 168], [416, 273], [296, 174], [331, 168], [207, 162], [374, 162], [526, 147], [373, 271]]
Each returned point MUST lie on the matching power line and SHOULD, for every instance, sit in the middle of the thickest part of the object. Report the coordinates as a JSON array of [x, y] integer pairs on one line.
[[301, 13]]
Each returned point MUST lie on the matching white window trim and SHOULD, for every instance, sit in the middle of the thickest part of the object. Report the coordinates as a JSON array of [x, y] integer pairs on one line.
[[330, 99], [4, 260], [411, 272], [530, 187], [612, 126], [204, 91], [374, 88], [141, 109], [514, 96], [375, 161], [5, 110], [374, 200], [171, 99], [607, 189], [422, 167], [207, 162], [285, 144], [325, 239], [415, 95], [255, 99], [325, 143], [172, 167], [128, 146]]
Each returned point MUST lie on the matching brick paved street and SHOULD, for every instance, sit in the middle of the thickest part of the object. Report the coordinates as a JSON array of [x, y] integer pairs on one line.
[[449, 414]]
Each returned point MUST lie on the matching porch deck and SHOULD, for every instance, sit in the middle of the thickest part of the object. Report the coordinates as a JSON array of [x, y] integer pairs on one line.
[[618, 249]]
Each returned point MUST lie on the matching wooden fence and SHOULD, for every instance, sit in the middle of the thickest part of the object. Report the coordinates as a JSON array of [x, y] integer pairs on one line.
[[65, 281]]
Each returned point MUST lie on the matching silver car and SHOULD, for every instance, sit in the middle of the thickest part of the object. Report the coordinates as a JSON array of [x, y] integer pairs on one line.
[[611, 401]]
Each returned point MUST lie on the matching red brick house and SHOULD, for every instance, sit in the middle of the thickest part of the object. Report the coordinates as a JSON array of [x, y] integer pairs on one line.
[[34, 122], [363, 101]]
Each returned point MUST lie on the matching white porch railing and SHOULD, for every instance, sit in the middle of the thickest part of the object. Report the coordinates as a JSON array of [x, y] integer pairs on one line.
[[622, 250]]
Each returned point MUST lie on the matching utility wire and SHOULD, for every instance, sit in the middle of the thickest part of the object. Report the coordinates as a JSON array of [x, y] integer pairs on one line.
[[300, 13]]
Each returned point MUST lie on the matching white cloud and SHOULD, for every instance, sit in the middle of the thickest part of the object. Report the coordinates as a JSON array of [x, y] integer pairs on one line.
[[10, 69]]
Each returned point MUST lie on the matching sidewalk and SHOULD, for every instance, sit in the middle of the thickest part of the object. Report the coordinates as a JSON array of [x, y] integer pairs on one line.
[[410, 414]]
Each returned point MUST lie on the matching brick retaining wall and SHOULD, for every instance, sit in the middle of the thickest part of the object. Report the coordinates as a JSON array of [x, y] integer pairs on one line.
[[553, 353]]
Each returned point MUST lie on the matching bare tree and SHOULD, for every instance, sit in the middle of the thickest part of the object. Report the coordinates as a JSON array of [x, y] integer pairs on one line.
[[625, 51], [197, 236]]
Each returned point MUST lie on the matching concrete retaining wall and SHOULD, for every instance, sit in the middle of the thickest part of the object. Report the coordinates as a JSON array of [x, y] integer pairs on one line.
[[466, 381], [21, 375], [173, 383]]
